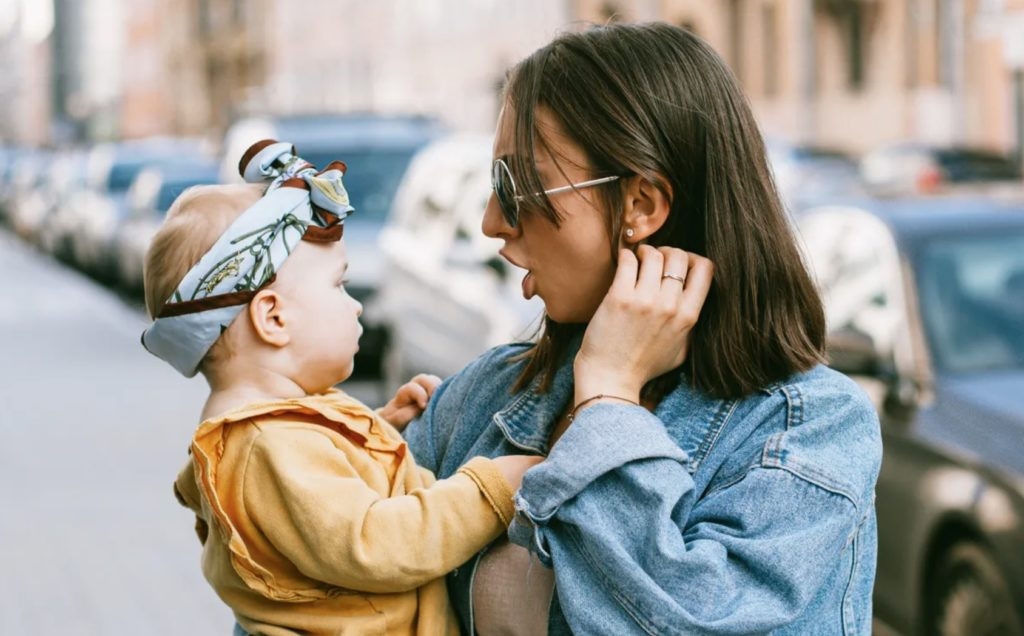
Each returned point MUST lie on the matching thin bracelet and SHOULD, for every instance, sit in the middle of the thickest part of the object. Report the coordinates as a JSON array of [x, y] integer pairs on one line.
[[575, 409]]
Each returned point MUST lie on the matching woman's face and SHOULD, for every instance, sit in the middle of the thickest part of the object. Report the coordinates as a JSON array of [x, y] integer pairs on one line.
[[569, 266]]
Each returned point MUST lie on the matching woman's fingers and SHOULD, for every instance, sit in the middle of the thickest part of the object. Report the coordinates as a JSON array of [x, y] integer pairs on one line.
[[699, 275], [652, 263], [625, 273]]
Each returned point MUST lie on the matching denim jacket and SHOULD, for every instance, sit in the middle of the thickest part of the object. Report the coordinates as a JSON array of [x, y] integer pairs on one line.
[[745, 516]]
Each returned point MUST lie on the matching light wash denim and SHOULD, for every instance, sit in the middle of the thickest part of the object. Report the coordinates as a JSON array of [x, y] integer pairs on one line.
[[708, 516]]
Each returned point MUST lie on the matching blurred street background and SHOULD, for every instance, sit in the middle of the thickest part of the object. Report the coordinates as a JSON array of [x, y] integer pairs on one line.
[[894, 128]]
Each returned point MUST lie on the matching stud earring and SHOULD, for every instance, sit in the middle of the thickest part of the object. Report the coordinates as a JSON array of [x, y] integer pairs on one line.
[[629, 232]]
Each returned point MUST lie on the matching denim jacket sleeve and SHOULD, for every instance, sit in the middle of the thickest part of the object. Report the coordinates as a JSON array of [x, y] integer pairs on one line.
[[635, 551]]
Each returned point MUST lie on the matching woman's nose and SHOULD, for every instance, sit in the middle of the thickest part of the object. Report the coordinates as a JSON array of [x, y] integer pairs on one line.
[[494, 224]]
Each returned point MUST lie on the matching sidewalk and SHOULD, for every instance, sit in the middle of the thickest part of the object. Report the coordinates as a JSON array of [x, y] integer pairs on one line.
[[94, 431]]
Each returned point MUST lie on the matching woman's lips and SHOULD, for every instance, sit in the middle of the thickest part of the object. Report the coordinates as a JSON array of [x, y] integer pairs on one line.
[[529, 282]]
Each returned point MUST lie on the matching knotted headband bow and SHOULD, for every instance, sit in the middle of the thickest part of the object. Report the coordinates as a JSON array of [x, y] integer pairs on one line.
[[300, 204]]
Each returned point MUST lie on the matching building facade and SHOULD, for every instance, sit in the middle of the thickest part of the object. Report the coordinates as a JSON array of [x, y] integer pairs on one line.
[[859, 73]]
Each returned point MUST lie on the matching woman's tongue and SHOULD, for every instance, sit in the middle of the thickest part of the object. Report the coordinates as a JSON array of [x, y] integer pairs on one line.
[[529, 286]]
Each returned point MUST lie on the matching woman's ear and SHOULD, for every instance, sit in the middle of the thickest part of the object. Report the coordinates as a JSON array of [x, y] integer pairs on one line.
[[267, 318], [645, 211]]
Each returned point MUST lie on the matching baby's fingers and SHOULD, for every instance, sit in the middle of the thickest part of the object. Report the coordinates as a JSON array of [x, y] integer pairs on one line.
[[428, 383]]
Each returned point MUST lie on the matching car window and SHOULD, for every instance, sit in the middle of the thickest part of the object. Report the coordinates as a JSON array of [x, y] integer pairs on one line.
[[972, 300], [371, 179]]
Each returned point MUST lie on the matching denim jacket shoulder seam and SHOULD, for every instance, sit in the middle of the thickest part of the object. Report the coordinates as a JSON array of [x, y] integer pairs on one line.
[[774, 457], [794, 405]]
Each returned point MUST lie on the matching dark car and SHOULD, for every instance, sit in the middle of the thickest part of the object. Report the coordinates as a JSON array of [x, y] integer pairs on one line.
[[914, 168], [925, 306]]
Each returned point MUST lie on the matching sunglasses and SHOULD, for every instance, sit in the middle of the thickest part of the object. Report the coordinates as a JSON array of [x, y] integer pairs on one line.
[[505, 190]]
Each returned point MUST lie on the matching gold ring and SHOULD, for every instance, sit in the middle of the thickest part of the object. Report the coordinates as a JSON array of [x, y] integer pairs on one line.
[[677, 277]]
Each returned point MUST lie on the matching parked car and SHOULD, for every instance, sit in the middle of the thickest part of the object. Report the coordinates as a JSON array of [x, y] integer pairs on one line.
[[925, 307], [913, 168], [61, 177], [24, 173], [149, 198], [806, 172], [377, 150], [447, 295], [83, 231]]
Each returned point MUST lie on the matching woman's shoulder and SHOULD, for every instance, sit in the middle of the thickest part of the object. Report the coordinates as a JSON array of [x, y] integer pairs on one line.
[[829, 433]]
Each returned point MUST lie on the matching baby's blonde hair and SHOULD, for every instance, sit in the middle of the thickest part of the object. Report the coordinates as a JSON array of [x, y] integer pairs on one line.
[[195, 221]]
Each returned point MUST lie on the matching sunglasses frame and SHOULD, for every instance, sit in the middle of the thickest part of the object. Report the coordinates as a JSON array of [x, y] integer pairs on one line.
[[512, 214]]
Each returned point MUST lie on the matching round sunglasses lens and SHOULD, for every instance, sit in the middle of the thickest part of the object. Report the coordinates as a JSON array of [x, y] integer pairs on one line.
[[505, 191]]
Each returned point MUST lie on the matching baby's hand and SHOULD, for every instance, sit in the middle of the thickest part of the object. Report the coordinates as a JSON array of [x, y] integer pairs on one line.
[[512, 467], [410, 400]]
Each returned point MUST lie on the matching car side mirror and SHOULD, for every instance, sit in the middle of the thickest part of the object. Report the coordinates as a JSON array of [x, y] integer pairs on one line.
[[853, 352]]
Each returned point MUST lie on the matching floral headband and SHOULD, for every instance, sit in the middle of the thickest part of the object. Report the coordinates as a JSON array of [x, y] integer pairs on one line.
[[300, 204]]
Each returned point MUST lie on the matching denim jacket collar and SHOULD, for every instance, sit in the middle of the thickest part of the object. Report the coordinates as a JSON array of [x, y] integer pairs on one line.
[[528, 420]]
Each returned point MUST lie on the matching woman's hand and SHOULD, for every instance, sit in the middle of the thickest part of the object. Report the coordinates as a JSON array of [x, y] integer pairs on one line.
[[410, 400], [642, 327]]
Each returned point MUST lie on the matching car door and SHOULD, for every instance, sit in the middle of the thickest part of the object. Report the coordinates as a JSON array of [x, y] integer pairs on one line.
[[871, 336]]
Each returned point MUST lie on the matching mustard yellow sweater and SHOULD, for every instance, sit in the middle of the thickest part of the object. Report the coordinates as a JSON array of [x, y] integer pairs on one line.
[[314, 519]]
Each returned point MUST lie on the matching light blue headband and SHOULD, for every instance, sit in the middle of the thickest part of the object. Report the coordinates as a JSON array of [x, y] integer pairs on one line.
[[300, 204]]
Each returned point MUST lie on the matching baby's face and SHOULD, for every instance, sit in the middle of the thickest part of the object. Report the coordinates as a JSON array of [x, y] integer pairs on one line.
[[321, 318]]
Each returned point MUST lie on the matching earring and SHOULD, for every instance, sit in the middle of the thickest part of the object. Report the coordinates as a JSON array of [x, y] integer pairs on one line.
[[629, 232]]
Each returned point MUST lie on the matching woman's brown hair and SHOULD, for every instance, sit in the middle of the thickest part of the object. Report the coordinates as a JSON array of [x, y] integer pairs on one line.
[[653, 100]]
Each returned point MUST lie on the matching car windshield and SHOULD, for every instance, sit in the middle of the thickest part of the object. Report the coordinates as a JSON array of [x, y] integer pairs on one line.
[[972, 300], [372, 177]]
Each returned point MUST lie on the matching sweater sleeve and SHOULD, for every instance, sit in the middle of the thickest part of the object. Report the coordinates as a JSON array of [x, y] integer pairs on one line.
[[310, 502], [187, 493]]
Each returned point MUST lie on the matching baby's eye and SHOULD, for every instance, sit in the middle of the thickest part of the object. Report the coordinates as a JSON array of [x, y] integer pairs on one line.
[[342, 283]]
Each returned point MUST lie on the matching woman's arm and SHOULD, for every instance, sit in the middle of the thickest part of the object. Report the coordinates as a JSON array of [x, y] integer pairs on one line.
[[634, 551]]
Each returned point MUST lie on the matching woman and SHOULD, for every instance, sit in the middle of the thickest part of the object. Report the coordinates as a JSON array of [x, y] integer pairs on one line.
[[732, 494]]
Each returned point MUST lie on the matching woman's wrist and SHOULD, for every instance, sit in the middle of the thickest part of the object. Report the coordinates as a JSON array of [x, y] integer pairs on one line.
[[589, 381], [598, 398]]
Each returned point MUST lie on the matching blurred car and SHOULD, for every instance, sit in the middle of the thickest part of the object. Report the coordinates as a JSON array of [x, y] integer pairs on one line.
[[25, 171], [377, 150], [805, 173], [62, 177], [447, 295], [913, 168], [149, 198], [83, 231], [925, 307]]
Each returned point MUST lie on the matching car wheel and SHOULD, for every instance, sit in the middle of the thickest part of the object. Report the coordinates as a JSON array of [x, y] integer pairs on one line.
[[969, 596]]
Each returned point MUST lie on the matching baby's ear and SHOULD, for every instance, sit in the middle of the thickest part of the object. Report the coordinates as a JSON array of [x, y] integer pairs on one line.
[[267, 318]]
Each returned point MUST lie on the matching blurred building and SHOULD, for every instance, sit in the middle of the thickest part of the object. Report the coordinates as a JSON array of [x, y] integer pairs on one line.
[[88, 61], [859, 73], [197, 65], [440, 57], [25, 81], [846, 73], [194, 64]]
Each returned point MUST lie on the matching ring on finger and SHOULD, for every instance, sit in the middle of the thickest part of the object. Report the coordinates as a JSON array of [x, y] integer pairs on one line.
[[677, 277]]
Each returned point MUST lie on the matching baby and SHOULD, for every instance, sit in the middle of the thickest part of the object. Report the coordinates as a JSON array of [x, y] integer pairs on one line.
[[312, 513]]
